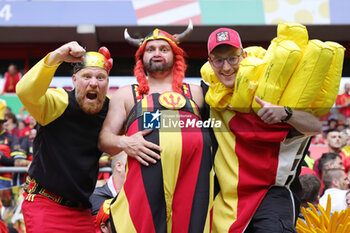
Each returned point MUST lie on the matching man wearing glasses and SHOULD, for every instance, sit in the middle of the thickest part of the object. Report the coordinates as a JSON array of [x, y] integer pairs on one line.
[[258, 154]]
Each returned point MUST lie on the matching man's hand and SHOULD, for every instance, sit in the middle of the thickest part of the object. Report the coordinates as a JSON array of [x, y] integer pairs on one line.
[[21, 163], [71, 52], [140, 149], [269, 113]]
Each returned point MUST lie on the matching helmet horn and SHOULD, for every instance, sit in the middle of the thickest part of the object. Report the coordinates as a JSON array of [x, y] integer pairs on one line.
[[183, 36], [130, 40]]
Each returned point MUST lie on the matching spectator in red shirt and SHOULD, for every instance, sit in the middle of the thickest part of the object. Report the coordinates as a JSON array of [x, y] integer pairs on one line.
[[30, 123], [11, 124], [343, 101], [12, 76]]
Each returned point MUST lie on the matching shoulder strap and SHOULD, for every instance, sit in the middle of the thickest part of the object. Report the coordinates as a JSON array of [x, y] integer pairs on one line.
[[136, 93], [187, 90]]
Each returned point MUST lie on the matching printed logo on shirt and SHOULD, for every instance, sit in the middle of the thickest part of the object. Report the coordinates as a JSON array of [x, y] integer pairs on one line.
[[151, 120]]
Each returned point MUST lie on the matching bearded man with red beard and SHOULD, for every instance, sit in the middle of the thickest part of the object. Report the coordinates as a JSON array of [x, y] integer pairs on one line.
[[169, 172], [65, 166]]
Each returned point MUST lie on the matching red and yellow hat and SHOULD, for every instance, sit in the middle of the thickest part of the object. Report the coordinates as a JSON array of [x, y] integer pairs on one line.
[[101, 59]]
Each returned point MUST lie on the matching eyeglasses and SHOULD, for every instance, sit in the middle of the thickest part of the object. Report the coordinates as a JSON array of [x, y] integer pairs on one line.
[[232, 60]]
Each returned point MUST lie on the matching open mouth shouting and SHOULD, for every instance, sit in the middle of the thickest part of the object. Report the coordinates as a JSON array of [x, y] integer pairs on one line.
[[91, 95]]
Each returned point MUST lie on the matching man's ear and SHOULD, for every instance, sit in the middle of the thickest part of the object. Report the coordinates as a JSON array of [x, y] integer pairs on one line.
[[335, 183], [245, 54], [74, 79], [118, 166], [103, 227]]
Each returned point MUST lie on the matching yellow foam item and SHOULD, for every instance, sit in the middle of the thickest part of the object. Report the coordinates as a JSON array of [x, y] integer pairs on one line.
[[208, 74], [218, 95], [283, 58], [294, 32], [246, 83], [255, 51], [307, 80], [330, 87]]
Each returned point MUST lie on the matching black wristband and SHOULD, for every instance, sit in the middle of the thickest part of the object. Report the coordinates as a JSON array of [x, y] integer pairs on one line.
[[289, 112]]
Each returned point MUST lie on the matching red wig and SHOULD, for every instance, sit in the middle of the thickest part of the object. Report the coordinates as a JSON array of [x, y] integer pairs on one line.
[[179, 69]]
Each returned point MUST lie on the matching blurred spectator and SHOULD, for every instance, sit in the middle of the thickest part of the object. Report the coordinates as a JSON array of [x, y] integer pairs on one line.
[[329, 161], [334, 141], [311, 187], [102, 218], [307, 165], [336, 185], [318, 140], [11, 124], [26, 144], [332, 123], [21, 112], [10, 151], [30, 123], [112, 187], [348, 198], [8, 110], [12, 76], [104, 161], [20, 125], [343, 101], [341, 125]]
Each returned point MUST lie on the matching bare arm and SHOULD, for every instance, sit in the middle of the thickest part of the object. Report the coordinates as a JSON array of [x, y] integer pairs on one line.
[[304, 122], [197, 95], [112, 142]]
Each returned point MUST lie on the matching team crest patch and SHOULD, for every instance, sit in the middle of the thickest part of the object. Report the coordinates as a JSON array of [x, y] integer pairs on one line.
[[172, 100], [222, 36]]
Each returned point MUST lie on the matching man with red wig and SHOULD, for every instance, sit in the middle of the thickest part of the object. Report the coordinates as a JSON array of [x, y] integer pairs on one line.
[[65, 166], [167, 187]]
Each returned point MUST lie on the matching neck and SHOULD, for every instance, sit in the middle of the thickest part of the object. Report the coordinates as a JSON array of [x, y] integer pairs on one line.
[[160, 82], [118, 182], [335, 150]]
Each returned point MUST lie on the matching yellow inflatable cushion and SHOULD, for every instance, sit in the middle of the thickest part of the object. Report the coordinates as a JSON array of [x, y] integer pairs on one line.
[[282, 61], [307, 80], [330, 87], [255, 51], [246, 83], [294, 32], [208, 74]]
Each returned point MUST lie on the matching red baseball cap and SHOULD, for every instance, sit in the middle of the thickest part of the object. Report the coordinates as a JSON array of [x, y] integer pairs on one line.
[[224, 36]]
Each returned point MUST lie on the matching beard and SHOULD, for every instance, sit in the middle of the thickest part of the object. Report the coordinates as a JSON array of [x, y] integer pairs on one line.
[[157, 67], [90, 108]]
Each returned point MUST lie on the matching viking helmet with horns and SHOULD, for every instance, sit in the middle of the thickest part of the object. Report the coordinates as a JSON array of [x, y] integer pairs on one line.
[[160, 34], [179, 62]]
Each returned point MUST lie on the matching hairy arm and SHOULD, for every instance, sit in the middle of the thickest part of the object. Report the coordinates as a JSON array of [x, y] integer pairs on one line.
[[44, 104], [304, 122], [112, 142]]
